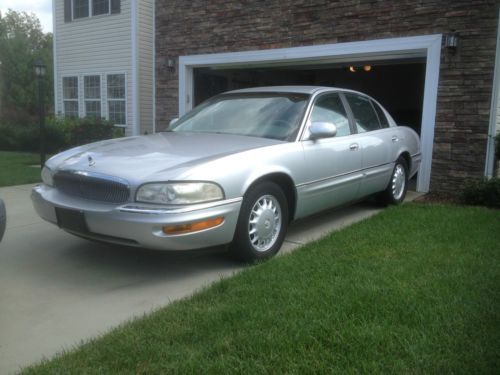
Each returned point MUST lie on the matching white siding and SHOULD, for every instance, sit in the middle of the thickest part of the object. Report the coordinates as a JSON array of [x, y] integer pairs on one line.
[[95, 45], [145, 35]]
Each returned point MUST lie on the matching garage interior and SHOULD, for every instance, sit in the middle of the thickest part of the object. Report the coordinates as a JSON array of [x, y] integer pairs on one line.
[[397, 84]]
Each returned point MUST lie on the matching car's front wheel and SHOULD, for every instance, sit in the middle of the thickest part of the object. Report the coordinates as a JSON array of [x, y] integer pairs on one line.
[[262, 223], [395, 192]]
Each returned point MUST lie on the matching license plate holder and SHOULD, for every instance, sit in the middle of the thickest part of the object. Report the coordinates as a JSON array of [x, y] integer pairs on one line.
[[72, 220]]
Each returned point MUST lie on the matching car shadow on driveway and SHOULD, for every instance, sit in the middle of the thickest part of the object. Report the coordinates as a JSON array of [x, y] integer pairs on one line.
[[125, 267]]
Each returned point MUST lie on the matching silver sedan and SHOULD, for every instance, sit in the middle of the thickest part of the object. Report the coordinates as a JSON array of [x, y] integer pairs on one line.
[[235, 170]]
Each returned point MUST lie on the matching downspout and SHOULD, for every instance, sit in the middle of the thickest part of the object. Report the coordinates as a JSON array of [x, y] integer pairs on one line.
[[490, 146]]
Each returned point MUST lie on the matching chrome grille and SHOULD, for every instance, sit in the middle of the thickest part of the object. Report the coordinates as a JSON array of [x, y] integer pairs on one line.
[[92, 186]]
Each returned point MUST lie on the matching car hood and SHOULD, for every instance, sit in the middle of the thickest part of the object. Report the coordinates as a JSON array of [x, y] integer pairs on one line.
[[155, 156]]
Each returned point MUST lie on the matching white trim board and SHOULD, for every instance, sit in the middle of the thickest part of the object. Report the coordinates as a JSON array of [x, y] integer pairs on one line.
[[135, 126], [489, 163], [428, 46]]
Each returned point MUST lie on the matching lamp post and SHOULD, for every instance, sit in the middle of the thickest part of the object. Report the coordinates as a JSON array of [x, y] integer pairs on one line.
[[40, 73]]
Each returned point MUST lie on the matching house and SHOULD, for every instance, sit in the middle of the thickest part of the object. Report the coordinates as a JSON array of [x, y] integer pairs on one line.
[[103, 61], [434, 64], [430, 63]]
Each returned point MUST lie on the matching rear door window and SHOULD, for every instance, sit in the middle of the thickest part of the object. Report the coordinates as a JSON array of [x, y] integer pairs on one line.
[[364, 115]]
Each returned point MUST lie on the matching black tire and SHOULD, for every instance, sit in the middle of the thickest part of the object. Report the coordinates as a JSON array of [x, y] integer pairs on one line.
[[3, 219], [395, 193], [271, 222]]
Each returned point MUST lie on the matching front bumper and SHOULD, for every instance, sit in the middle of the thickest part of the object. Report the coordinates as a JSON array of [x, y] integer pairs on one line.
[[141, 225]]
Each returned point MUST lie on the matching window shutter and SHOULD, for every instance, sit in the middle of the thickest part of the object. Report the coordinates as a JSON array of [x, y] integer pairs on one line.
[[115, 6], [67, 10]]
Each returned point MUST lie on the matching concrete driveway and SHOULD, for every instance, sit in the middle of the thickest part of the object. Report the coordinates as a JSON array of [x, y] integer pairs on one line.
[[57, 289]]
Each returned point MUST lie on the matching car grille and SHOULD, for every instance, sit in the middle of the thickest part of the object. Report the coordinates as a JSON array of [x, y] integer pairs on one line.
[[92, 186]]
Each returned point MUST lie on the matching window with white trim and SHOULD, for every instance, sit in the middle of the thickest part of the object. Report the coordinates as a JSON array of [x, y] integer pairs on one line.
[[92, 96], [80, 8], [76, 9], [100, 7], [116, 99], [70, 96]]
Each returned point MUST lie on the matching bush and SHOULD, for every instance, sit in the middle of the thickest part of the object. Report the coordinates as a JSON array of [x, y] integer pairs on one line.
[[27, 138], [482, 192], [80, 131], [60, 134]]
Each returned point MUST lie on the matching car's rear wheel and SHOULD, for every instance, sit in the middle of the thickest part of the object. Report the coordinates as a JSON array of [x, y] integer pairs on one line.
[[3, 219], [262, 223], [395, 192]]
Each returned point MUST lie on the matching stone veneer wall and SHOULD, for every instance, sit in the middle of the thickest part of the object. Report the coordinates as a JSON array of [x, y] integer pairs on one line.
[[465, 81]]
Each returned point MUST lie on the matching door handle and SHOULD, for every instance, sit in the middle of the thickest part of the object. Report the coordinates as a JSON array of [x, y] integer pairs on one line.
[[354, 147], [394, 138]]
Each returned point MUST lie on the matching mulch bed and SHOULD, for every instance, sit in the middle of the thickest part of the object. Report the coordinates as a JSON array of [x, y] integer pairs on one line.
[[435, 197]]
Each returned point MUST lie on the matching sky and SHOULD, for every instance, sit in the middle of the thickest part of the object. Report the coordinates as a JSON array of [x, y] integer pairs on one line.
[[42, 9]]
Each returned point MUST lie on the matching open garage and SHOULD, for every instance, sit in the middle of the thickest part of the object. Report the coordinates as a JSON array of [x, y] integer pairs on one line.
[[401, 73], [397, 84]]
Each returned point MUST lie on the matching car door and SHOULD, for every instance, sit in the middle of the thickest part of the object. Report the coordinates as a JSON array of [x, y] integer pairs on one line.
[[333, 164], [375, 141]]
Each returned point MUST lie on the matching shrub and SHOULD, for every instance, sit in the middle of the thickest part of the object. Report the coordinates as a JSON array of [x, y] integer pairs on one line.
[[60, 134], [80, 131], [27, 138], [482, 192]]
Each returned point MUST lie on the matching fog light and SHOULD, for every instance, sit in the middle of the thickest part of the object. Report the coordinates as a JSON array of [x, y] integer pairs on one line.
[[192, 227]]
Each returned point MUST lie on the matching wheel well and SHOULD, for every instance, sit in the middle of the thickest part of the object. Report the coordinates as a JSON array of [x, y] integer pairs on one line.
[[406, 155], [286, 184]]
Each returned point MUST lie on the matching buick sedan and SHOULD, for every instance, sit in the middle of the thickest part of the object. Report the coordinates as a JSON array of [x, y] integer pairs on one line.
[[235, 170]]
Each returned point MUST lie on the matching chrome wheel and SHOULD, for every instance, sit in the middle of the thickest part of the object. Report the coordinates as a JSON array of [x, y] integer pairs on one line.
[[398, 182], [264, 223]]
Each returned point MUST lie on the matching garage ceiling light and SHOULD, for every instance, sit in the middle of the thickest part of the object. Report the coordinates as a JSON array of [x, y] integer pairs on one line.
[[354, 69]]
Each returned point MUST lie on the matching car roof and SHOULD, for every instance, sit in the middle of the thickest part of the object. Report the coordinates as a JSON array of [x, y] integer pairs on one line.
[[290, 89]]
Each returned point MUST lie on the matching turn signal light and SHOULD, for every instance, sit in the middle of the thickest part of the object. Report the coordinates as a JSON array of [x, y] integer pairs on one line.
[[192, 227]]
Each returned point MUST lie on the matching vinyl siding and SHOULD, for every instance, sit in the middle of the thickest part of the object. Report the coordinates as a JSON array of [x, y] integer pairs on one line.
[[145, 35], [97, 45]]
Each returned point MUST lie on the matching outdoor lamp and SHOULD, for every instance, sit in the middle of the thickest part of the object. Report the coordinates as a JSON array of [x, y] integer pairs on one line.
[[451, 41], [40, 72], [39, 68]]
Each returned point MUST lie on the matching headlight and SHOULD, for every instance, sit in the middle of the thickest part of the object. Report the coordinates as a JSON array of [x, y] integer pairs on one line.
[[179, 193], [47, 176]]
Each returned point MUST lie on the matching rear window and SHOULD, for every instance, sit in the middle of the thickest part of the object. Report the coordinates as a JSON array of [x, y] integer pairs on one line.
[[381, 115]]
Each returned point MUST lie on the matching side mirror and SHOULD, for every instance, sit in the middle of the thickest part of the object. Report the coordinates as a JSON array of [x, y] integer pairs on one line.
[[173, 121], [319, 130]]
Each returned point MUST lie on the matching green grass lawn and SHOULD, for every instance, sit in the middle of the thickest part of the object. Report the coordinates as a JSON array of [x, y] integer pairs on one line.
[[415, 289], [16, 168]]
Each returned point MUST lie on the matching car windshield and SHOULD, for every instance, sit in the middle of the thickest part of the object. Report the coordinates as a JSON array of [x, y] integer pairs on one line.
[[265, 115]]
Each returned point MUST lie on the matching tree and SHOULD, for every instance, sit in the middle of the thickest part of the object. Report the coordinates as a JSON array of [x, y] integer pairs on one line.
[[22, 42]]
